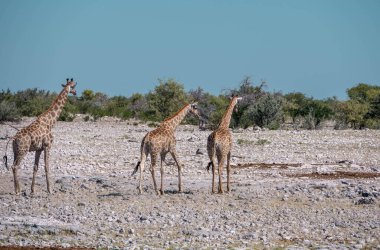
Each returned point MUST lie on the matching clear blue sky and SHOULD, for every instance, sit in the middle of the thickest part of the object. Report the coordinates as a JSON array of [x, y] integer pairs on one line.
[[318, 47]]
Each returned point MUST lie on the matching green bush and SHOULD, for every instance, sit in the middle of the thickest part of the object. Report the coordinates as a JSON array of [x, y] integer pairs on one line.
[[372, 123], [265, 112], [244, 142], [352, 113], [8, 111], [166, 99]]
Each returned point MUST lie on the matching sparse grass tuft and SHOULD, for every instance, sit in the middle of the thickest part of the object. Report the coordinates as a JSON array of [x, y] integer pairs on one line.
[[262, 142], [244, 142], [249, 142]]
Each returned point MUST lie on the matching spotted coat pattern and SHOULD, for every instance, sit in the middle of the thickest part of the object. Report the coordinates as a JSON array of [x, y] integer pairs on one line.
[[161, 141], [219, 144], [38, 137]]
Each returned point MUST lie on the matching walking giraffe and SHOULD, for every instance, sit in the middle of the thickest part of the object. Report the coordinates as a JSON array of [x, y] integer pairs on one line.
[[219, 144], [162, 141], [38, 137]]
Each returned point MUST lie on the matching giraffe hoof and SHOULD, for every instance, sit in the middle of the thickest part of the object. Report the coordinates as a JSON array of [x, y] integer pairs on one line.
[[162, 192]]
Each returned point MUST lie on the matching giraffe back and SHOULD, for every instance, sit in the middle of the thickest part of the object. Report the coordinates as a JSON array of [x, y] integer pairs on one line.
[[34, 137], [220, 142], [159, 140]]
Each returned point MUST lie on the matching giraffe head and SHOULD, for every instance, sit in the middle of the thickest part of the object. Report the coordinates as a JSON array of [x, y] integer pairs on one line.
[[194, 109], [71, 85], [235, 100]]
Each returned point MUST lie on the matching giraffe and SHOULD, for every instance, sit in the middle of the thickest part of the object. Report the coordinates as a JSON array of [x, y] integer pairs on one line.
[[38, 137], [219, 144], [160, 142]]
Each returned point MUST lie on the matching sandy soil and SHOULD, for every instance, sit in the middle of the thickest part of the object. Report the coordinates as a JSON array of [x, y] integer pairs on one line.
[[305, 189]]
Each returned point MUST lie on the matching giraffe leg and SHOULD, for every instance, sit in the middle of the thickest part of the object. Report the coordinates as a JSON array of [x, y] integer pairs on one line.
[[162, 173], [16, 164], [153, 165], [220, 169], [142, 165], [15, 167], [174, 155], [16, 183], [35, 168], [228, 171], [213, 174], [46, 158]]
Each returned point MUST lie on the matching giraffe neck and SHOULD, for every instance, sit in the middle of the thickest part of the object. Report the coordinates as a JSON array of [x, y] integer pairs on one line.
[[225, 123], [173, 122], [51, 115]]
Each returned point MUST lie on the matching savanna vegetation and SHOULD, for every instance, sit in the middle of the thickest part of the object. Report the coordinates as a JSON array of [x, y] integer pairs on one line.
[[259, 107]]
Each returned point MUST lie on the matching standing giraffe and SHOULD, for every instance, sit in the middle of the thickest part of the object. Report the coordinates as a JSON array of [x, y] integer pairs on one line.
[[162, 141], [38, 137], [219, 145]]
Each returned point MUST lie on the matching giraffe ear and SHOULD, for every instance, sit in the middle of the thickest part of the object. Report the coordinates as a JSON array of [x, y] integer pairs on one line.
[[63, 85]]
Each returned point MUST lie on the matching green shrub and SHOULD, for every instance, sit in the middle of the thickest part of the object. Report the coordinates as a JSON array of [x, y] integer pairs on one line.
[[262, 142], [166, 99], [244, 142], [8, 111], [265, 112]]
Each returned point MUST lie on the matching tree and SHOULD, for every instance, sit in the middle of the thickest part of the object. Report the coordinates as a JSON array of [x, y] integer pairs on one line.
[[166, 99], [294, 105], [8, 111], [265, 112], [363, 92], [354, 113], [316, 111], [362, 110], [87, 95]]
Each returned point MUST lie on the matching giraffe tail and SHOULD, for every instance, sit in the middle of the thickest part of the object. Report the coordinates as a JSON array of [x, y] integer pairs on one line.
[[5, 158], [136, 168], [208, 166]]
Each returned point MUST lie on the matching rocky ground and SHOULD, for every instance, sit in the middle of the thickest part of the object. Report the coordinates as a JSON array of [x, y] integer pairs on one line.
[[308, 189]]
